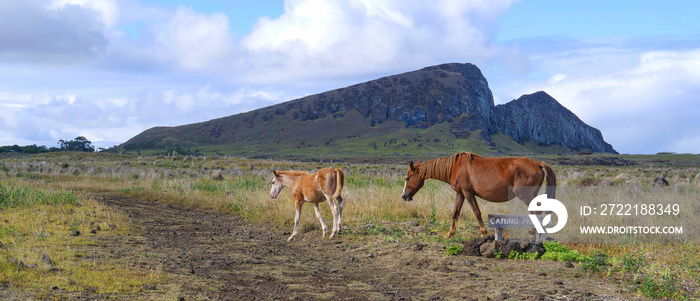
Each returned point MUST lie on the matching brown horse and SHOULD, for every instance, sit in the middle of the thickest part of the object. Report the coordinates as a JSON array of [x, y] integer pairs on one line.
[[493, 179], [325, 184]]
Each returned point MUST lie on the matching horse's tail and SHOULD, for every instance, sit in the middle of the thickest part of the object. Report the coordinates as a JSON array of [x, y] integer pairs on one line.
[[551, 180], [340, 180]]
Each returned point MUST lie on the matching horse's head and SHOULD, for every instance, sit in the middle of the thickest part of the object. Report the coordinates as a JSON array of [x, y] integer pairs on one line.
[[413, 182], [277, 185]]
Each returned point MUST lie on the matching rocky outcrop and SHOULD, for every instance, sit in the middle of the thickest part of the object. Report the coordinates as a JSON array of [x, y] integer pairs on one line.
[[420, 98], [541, 119]]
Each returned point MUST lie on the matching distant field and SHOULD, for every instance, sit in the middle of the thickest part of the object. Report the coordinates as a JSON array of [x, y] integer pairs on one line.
[[240, 186]]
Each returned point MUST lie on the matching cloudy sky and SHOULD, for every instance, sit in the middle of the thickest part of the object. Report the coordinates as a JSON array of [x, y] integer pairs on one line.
[[109, 69]]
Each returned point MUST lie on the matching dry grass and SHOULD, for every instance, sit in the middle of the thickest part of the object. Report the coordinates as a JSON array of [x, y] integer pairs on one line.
[[33, 228], [240, 186]]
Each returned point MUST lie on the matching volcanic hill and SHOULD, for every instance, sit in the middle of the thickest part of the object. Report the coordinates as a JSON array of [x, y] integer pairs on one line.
[[440, 109]]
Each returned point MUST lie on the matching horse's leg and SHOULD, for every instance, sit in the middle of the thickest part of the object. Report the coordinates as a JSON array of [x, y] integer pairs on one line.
[[459, 200], [471, 198], [334, 210], [297, 204], [341, 206], [320, 219]]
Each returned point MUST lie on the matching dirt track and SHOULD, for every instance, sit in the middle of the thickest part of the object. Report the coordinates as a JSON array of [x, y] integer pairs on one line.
[[208, 256]]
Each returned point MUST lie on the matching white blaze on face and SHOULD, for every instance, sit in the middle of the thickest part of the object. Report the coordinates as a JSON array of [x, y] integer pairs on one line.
[[275, 189]]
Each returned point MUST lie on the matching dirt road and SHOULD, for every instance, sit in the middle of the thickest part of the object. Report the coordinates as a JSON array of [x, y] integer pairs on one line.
[[207, 256]]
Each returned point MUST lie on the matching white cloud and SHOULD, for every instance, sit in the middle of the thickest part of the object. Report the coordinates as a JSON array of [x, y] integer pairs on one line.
[[30, 31], [196, 41], [645, 108], [120, 67], [557, 78], [108, 9], [324, 38], [109, 121]]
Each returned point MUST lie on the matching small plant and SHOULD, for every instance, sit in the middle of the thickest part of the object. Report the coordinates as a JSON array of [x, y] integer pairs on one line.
[[455, 249], [522, 255], [74, 227], [632, 262], [555, 251], [594, 262], [665, 288], [498, 254]]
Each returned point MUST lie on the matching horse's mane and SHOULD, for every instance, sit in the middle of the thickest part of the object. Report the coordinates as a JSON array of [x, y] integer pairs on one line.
[[438, 168], [292, 173]]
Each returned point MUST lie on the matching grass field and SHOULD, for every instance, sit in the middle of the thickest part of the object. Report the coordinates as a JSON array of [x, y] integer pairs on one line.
[[54, 186], [45, 241]]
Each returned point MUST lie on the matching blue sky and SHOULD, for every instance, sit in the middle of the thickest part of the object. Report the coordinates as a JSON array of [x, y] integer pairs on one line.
[[109, 69]]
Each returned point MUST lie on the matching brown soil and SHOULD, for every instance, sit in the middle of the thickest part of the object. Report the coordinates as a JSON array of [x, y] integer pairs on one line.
[[208, 256]]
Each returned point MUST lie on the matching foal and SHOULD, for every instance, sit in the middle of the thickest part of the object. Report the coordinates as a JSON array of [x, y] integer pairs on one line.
[[325, 184]]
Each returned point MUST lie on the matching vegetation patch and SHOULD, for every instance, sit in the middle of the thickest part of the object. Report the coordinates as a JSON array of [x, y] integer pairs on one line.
[[46, 243], [237, 186]]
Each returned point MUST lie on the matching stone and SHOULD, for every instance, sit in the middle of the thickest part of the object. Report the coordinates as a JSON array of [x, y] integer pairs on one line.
[[511, 246], [660, 181], [488, 249], [535, 248], [471, 247], [18, 263], [46, 259]]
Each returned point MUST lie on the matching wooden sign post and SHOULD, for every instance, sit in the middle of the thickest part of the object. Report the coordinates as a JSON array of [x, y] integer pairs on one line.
[[502, 221]]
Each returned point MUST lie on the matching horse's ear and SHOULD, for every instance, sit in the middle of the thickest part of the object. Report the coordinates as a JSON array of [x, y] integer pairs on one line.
[[274, 172], [411, 166]]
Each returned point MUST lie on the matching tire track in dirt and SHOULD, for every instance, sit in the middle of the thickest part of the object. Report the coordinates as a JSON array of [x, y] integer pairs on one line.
[[209, 256]]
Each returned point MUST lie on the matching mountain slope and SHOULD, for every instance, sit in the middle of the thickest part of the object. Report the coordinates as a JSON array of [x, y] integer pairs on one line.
[[439, 109]]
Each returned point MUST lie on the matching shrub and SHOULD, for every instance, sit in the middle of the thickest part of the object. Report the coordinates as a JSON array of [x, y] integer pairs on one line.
[[594, 262], [455, 249]]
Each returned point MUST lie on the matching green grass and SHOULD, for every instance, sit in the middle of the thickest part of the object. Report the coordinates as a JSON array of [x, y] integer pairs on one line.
[[388, 139], [17, 194], [38, 220]]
